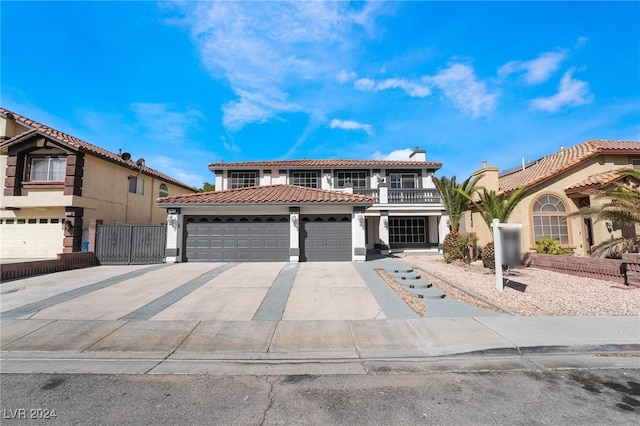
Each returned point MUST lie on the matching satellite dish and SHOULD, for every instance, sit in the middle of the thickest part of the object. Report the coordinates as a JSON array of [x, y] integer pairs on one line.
[[140, 162], [126, 156]]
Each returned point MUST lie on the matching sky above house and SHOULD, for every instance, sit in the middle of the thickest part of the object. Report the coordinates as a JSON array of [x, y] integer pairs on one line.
[[184, 84]]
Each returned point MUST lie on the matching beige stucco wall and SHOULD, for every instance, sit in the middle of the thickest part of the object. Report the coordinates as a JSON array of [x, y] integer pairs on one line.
[[473, 222], [10, 128], [106, 195]]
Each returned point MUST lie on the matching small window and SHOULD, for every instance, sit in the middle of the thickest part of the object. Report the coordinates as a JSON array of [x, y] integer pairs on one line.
[[55, 220], [21, 221], [32, 221], [164, 191], [242, 179], [47, 169], [43, 221], [9, 221], [403, 181], [302, 178], [357, 179], [635, 163], [136, 185]]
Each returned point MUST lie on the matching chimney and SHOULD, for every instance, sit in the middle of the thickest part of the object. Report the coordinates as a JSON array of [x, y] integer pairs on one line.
[[490, 179], [418, 154]]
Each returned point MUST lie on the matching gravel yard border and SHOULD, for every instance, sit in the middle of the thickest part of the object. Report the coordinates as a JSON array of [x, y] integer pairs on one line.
[[530, 291]]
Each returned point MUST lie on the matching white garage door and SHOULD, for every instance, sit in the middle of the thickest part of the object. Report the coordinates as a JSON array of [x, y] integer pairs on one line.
[[30, 238]]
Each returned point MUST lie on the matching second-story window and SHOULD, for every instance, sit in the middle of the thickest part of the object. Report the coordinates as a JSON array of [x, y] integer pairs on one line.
[[357, 179], [242, 179], [403, 181], [302, 178], [47, 169], [164, 191], [136, 185]]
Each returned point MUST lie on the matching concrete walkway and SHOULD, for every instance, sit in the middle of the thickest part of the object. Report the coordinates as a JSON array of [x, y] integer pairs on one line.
[[313, 318]]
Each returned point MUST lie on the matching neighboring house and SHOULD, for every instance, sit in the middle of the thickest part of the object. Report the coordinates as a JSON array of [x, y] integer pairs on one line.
[[308, 210], [55, 185], [559, 184]]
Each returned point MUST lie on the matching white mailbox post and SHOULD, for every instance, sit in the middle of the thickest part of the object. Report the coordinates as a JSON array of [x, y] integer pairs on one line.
[[497, 241]]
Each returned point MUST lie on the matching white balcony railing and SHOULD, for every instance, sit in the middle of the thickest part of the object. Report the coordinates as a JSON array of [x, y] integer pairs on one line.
[[403, 196], [414, 196]]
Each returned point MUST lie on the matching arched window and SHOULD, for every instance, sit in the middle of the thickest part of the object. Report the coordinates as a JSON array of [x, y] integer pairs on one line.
[[550, 219], [164, 191]]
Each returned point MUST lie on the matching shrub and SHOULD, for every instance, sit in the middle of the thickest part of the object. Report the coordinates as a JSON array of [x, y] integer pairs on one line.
[[547, 245], [467, 247]]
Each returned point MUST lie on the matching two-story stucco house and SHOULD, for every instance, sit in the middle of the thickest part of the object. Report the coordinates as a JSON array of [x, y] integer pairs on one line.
[[55, 185], [560, 184], [308, 210]]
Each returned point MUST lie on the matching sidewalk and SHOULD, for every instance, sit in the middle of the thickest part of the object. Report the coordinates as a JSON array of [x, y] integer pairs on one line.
[[132, 335], [317, 347]]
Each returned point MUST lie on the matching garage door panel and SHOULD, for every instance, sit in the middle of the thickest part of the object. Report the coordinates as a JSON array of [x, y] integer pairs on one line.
[[238, 238], [326, 238]]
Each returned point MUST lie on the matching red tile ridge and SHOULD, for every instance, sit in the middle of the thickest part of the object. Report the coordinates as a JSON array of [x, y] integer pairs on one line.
[[276, 194]]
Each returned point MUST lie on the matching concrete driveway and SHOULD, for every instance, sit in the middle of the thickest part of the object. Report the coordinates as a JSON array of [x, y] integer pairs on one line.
[[197, 292]]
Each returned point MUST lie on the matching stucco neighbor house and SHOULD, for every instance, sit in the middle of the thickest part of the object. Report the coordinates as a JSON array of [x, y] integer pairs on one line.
[[56, 185], [559, 184], [308, 210]]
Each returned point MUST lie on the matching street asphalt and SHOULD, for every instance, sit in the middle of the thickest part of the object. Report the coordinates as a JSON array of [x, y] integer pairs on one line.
[[280, 318]]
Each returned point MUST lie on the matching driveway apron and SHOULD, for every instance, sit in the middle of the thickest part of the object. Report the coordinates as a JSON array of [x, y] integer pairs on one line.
[[331, 291]]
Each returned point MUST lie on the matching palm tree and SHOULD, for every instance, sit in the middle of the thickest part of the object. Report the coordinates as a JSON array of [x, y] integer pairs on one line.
[[454, 198], [492, 205], [623, 206]]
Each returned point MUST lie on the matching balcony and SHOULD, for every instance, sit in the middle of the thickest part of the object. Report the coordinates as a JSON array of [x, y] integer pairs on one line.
[[402, 196], [414, 196]]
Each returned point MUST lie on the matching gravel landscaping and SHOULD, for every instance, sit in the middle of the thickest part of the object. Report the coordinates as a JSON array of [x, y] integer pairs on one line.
[[530, 291]]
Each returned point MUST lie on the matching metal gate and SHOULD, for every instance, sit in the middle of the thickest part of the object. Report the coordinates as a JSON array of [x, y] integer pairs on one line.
[[130, 244]]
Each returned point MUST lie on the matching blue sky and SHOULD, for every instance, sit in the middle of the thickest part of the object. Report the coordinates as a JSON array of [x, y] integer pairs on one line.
[[188, 83]]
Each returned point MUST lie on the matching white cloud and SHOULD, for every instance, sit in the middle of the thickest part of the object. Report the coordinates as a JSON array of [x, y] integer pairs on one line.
[[460, 85], [264, 50], [178, 170], [364, 84], [412, 89], [345, 76], [536, 70], [398, 154], [571, 92], [350, 125], [160, 123]]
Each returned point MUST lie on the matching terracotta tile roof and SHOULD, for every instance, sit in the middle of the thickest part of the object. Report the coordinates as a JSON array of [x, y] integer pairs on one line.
[[268, 194], [339, 163], [596, 181], [553, 164], [79, 144]]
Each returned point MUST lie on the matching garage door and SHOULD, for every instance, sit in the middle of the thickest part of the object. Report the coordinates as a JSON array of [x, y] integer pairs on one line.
[[325, 238], [31, 238], [237, 238]]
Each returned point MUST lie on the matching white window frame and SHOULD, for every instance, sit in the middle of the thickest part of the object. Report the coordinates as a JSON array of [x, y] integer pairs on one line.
[[358, 179], [307, 178], [242, 179], [397, 180], [550, 219], [52, 175]]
